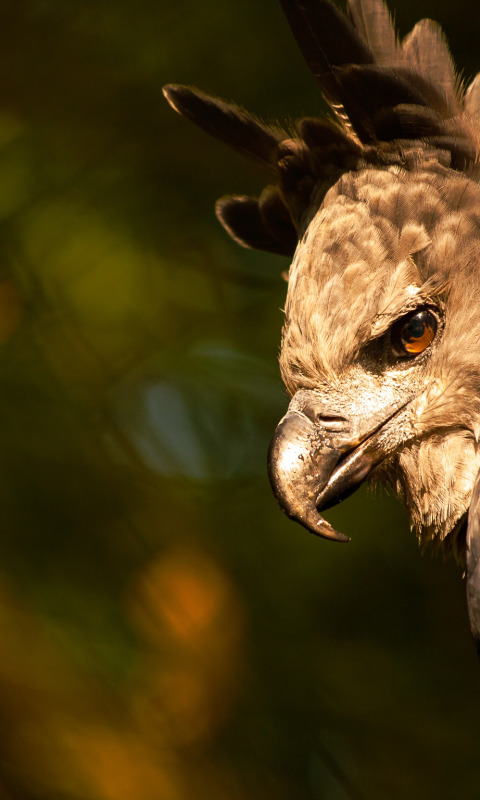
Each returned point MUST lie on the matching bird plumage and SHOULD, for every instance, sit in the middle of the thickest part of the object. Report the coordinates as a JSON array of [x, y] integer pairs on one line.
[[381, 212]]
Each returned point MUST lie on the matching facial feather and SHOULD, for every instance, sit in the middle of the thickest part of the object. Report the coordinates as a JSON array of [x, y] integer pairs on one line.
[[383, 243]]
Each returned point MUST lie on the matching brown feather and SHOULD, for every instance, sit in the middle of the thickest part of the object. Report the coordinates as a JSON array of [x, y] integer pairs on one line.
[[374, 24], [225, 121]]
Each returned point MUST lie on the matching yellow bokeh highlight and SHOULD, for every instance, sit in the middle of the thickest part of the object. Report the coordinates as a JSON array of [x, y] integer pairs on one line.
[[187, 609], [183, 595], [119, 765]]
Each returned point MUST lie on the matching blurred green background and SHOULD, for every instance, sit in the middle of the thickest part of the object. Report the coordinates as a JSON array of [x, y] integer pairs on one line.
[[165, 632]]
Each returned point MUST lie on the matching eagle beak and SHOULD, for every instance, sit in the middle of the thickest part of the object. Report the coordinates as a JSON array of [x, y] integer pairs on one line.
[[316, 460]]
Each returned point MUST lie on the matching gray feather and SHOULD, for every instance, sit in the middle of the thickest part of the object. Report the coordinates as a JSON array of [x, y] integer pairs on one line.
[[473, 564]]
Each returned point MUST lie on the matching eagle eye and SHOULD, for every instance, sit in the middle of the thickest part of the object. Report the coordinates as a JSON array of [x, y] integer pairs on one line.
[[413, 333]]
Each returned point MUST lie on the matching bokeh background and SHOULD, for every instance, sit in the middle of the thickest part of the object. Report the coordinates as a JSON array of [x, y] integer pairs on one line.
[[165, 632]]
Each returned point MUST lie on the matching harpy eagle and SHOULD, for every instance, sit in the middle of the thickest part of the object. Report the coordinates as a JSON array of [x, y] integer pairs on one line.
[[380, 210]]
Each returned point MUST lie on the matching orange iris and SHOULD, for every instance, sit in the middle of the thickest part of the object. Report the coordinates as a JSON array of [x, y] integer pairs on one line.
[[412, 334]]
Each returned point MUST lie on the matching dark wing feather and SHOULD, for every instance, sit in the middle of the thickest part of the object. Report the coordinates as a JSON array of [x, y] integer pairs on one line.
[[361, 68], [473, 564], [367, 90], [277, 219], [327, 39], [408, 121], [323, 133], [242, 219], [384, 93], [460, 147], [298, 176], [226, 122]]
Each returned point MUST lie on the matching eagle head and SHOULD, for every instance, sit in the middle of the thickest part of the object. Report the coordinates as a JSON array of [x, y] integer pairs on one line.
[[378, 347], [379, 209]]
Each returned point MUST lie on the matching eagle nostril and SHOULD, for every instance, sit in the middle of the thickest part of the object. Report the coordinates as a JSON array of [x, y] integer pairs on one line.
[[331, 422]]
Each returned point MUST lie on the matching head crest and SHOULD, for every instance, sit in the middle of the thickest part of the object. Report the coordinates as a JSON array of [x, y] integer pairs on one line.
[[388, 97]]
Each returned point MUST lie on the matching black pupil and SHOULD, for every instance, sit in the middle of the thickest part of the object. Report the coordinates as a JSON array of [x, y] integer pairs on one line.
[[415, 328]]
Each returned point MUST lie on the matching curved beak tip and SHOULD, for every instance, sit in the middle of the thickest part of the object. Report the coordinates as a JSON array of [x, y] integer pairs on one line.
[[326, 531], [312, 468], [298, 467]]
